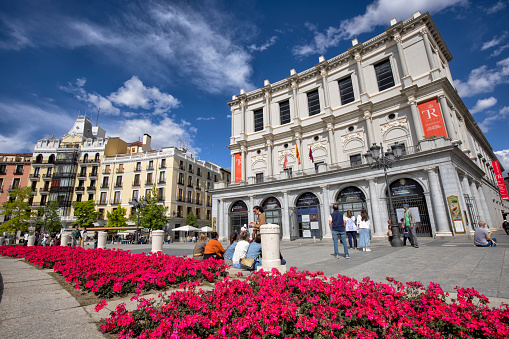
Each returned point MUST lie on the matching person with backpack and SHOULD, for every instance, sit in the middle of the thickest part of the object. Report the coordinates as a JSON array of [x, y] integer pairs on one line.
[[337, 226]]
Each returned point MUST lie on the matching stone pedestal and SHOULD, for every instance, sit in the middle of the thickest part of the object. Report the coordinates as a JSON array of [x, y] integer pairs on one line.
[[64, 239], [101, 240], [270, 248], [1, 241], [157, 241], [31, 240]]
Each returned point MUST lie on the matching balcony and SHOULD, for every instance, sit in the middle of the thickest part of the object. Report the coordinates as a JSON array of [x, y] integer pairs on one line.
[[101, 202], [180, 182], [13, 187], [93, 175], [47, 176], [34, 191], [38, 204], [91, 188], [162, 166], [18, 172], [34, 176], [148, 182], [106, 171], [137, 169], [136, 183], [80, 189], [105, 185], [150, 168], [118, 185], [160, 197], [44, 190], [190, 185], [163, 181], [82, 175]]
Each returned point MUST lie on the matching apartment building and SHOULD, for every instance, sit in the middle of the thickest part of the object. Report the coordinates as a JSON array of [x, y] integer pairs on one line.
[[14, 173]]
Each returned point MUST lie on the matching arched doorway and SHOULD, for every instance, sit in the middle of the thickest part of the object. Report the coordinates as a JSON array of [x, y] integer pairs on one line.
[[351, 198], [238, 216], [272, 211], [409, 191], [308, 216]]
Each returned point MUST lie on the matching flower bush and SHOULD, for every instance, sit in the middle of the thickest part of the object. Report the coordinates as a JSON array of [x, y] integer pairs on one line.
[[115, 272], [308, 305]]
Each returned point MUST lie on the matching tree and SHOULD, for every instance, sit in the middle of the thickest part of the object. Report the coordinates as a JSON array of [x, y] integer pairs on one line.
[[191, 219], [17, 210], [153, 215], [117, 218], [85, 213], [52, 222]]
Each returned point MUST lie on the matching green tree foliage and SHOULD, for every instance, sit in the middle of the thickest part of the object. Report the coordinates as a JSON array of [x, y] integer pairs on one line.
[[191, 220], [17, 210], [117, 218], [85, 213], [153, 215], [52, 222]]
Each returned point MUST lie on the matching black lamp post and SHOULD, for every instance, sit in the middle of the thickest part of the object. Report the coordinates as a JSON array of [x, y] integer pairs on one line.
[[376, 158], [138, 206]]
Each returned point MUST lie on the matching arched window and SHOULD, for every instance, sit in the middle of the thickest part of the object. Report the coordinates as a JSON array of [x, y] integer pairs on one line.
[[38, 159], [308, 216], [85, 157], [351, 198], [238, 216]]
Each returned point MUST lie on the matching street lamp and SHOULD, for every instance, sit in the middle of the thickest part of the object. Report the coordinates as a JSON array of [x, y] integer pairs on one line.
[[137, 205], [377, 159]]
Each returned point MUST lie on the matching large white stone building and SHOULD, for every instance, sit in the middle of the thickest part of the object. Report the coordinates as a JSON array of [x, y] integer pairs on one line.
[[394, 88]]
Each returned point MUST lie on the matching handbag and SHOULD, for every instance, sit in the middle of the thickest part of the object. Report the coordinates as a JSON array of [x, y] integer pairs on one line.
[[247, 262]]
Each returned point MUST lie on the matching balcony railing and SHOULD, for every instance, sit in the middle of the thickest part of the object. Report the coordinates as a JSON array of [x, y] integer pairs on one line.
[[118, 185], [93, 174], [136, 183], [80, 189], [43, 190], [17, 172], [82, 175], [91, 188], [115, 202], [163, 181], [150, 168], [34, 175], [47, 176], [149, 182], [105, 185], [101, 202], [137, 169], [162, 166], [13, 187], [106, 171], [120, 170], [190, 185], [180, 182]]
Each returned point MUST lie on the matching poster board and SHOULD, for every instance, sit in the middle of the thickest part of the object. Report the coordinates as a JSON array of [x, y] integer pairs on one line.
[[456, 215]]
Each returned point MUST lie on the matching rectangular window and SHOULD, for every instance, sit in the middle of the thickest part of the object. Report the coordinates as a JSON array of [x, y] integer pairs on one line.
[[198, 185], [355, 160], [78, 197], [189, 196], [150, 165], [43, 199], [160, 194], [119, 181], [190, 168], [288, 172], [284, 112], [1, 184], [116, 199], [120, 168], [103, 198], [313, 102], [384, 76], [138, 166], [94, 171], [163, 163], [346, 90], [148, 192], [107, 169], [3, 169], [91, 196], [181, 165], [149, 179], [198, 196], [162, 177], [136, 180], [180, 194], [105, 182], [318, 166], [181, 179], [190, 181], [135, 194], [259, 178], [258, 120]]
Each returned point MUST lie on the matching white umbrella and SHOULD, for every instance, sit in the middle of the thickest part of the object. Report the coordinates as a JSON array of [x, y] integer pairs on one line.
[[186, 229], [206, 229]]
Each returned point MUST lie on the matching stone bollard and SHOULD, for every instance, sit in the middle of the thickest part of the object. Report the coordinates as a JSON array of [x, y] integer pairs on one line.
[[1, 241], [101, 240], [157, 241], [64, 239], [31, 240], [270, 248]]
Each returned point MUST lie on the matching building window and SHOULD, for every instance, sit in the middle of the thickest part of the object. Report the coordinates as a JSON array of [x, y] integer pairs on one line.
[[162, 177], [181, 165], [102, 200], [91, 196], [78, 197], [198, 198], [181, 179], [3, 169], [190, 168], [19, 169], [189, 196], [198, 171], [355, 160], [318, 166], [259, 178], [138, 166], [284, 112], [136, 180], [190, 181], [116, 199], [163, 163], [149, 179], [180, 194], [135, 194], [105, 182], [119, 181], [148, 192], [150, 165], [258, 120], [198, 185], [384, 76], [288, 172], [160, 194], [120, 168], [313, 102], [346, 90]]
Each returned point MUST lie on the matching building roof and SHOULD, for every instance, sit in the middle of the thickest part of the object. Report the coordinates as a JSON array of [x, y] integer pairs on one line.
[[137, 143]]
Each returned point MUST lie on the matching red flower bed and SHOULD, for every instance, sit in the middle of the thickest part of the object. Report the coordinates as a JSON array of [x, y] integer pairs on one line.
[[308, 305], [116, 272]]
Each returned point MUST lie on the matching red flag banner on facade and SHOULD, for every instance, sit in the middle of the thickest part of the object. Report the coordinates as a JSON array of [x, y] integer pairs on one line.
[[285, 162], [238, 167], [311, 155], [297, 153], [500, 180], [432, 119]]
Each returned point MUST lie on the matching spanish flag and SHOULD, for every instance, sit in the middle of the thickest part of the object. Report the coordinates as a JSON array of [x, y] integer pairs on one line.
[[297, 151]]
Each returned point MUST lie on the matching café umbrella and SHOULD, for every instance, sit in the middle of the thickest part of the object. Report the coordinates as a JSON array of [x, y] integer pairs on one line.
[[186, 229]]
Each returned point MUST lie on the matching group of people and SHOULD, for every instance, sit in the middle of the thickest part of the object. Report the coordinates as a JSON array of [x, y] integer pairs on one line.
[[342, 225]]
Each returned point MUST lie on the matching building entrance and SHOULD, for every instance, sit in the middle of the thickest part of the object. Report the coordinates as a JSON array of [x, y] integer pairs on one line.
[[307, 217], [238, 216], [351, 198], [409, 191], [272, 211]]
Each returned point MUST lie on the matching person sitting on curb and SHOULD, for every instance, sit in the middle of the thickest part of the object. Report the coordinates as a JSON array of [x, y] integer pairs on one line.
[[199, 248], [241, 249], [214, 249], [255, 252], [482, 238], [228, 255]]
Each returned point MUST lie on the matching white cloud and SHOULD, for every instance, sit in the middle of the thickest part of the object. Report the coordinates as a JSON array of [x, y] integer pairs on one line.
[[499, 51], [206, 118], [483, 79], [496, 7], [483, 104], [377, 13], [503, 158], [135, 95], [97, 101], [165, 132], [502, 114], [17, 37], [494, 42], [263, 47]]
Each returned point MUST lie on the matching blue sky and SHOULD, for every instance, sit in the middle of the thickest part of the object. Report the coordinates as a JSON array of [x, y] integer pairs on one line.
[[168, 68]]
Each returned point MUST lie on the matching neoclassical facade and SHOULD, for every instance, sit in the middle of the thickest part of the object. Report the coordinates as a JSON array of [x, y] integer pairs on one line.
[[298, 145]]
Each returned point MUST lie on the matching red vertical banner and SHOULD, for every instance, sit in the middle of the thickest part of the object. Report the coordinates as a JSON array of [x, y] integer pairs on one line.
[[500, 180], [238, 167], [432, 119]]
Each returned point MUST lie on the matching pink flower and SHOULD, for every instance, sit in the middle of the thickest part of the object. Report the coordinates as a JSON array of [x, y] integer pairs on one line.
[[100, 305]]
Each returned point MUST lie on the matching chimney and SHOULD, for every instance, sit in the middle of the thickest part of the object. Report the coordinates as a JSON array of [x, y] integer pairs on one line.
[[394, 21], [146, 142], [355, 42]]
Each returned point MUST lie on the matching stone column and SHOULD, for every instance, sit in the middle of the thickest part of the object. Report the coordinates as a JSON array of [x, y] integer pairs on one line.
[[369, 127], [64, 239], [250, 213], [332, 144], [325, 215], [244, 165], [295, 87], [466, 190], [324, 74], [465, 142], [270, 248], [232, 112], [270, 166], [447, 118], [443, 227], [362, 84], [419, 133], [405, 79], [379, 226], [101, 241], [222, 222], [31, 240], [429, 54], [243, 105], [484, 204], [267, 119], [157, 241], [286, 216]]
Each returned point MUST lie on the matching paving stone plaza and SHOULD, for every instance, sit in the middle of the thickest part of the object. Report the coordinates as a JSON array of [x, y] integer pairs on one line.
[[33, 304]]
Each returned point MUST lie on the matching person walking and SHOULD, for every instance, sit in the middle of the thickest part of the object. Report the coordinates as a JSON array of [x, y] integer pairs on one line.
[[363, 223], [351, 229], [337, 227], [409, 223]]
